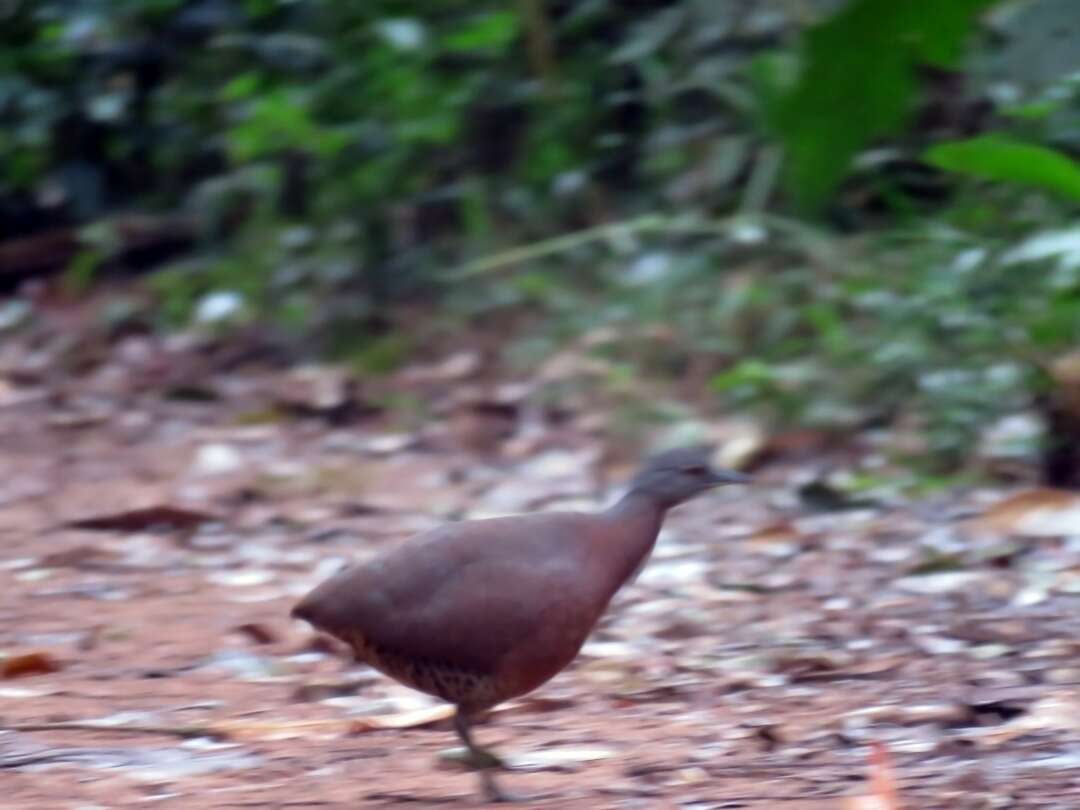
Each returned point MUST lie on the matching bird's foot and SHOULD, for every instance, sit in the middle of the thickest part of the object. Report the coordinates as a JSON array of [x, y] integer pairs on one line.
[[485, 762], [482, 759], [496, 795], [475, 759]]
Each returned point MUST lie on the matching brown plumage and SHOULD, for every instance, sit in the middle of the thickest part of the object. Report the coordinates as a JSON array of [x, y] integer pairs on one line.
[[482, 611]]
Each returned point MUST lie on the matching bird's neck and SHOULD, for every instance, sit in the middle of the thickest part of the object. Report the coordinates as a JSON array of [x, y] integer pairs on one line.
[[633, 525]]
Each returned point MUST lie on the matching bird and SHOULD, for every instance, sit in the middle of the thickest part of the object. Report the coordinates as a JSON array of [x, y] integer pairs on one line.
[[481, 611]]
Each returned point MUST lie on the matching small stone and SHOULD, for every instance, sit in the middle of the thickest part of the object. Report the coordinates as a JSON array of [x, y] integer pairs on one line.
[[389, 443], [985, 652], [940, 645], [944, 582], [1033, 595], [244, 578], [216, 459], [219, 307]]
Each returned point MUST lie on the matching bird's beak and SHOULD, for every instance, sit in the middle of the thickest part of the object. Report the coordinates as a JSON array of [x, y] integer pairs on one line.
[[721, 477]]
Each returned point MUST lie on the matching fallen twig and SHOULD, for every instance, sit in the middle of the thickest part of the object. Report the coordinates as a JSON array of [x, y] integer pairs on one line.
[[184, 732], [251, 730], [815, 247]]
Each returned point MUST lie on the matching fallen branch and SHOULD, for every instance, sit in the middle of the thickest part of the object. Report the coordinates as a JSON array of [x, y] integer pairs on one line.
[[253, 730], [184, 732], [141, 240], [813, 245]]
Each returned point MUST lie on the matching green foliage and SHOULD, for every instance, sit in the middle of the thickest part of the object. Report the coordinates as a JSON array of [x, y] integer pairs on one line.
[[492, 31], [610, 166], [998, 157], [857, 82], [377, 355], [277, 121]]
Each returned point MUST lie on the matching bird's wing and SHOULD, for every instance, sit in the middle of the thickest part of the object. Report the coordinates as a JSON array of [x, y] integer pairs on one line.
[[465, 595]]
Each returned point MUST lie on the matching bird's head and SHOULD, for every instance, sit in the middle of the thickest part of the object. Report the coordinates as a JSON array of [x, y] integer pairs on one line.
[[675, 476]]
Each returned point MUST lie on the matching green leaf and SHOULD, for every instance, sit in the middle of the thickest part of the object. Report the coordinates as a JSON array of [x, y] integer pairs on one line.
[[1035, 110], [489, 32], [281, 120], [241, 87], [772, 75], [746, 373], [1000, 158], [858, 83], [82, 269], [938, 32]]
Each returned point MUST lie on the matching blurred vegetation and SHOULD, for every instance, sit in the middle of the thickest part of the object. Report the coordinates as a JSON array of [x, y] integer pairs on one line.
[[836, 213]]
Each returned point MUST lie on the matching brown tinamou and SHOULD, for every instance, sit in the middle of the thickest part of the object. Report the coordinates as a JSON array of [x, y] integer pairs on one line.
[[482, 611]]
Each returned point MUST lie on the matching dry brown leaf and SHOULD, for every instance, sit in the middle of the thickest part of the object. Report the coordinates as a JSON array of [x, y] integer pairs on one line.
[[143, 518], [1054, 713], [865, 669], [457, 366], [259, 633], [572, 364], [416, 718], [76, 557], [323, 390], [482, 427], [776, 535], [1040, 512], [26, 664], [530, 704], [247, 730], [253, 731]]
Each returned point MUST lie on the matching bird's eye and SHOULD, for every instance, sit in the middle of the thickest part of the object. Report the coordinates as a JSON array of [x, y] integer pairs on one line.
[[698, 470]]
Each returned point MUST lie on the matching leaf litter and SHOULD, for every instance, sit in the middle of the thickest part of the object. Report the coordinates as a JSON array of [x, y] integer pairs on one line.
[[865, 652]]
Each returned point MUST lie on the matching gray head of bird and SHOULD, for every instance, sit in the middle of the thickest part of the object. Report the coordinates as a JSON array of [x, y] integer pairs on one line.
[[677, 475]]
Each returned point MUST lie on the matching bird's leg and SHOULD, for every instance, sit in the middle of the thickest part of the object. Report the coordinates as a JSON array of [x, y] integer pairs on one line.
[[480, 759]]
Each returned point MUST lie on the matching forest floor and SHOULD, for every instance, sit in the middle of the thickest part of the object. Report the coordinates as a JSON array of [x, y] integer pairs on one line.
[[162, 509]]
